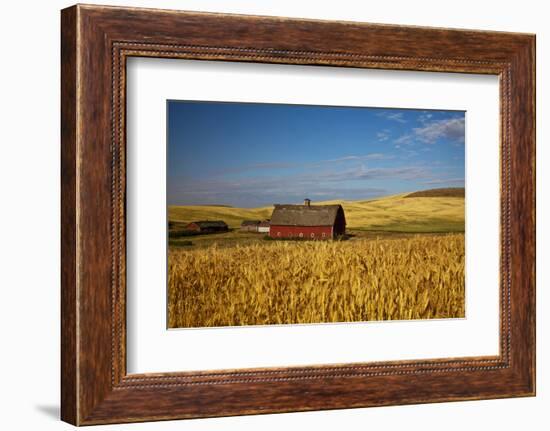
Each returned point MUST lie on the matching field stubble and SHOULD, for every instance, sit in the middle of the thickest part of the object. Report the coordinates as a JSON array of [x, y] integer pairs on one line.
[[420, 277]]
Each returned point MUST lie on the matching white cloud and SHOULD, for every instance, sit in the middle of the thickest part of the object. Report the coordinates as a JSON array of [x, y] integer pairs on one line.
[[424, 117], [384, 135], [403, 139], [435, 130], [345, 182], [370, 156], [290, 165], [393, 116], [432, 131]]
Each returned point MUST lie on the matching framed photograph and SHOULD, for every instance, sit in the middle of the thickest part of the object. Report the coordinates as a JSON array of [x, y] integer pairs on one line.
[[264, 214]]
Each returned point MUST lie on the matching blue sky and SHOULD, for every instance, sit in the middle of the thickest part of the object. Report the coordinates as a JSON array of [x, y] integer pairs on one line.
[[251, 155]]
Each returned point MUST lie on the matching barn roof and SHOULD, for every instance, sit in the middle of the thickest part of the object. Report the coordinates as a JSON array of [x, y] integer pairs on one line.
[[209, 223], [305, 215]]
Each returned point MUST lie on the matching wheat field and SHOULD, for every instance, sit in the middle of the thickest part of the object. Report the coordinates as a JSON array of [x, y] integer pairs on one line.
[[290, 282]]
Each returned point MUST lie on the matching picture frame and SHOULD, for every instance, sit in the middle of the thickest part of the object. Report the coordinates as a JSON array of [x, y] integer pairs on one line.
[[96, 42]]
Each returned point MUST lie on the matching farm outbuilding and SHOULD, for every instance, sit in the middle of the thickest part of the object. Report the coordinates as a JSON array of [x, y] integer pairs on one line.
[[307, 221], [264, 226], [207, 226], [250, 225], [261, 226]]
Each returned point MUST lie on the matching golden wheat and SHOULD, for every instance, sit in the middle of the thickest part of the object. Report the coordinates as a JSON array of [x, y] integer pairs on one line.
[[421, 277]]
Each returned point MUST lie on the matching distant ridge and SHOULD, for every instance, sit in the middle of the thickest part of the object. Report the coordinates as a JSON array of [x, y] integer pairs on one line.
[[449, 192], [217, 205]]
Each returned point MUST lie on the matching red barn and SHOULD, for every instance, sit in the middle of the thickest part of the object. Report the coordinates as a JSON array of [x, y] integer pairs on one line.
[[307, 221]]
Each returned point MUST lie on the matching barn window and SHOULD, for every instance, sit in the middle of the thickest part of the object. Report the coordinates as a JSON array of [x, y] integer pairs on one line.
[[301, 234], [278, 233], [312, 235], [324, 234]]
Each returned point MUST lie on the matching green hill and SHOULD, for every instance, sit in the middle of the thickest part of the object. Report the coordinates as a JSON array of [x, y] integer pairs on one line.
[[398, 213], [448, 192]]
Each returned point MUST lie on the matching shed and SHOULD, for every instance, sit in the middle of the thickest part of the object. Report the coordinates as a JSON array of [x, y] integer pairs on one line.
[[250, 225], [207, 226], [307, 221], [264, 226]]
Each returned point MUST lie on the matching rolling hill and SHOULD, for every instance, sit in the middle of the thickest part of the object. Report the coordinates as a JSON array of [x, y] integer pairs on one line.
[[447, 192], [398, 213]]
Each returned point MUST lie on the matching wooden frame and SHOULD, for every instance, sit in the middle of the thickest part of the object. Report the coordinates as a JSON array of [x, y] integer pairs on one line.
[[96, 41]]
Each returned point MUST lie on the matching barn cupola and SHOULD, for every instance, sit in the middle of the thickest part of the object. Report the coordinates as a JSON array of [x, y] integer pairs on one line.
[[307, 202]]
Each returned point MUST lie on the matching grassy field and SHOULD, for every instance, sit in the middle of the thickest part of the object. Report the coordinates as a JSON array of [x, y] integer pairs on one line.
[[397, 213], [404, 259], [418, 277]]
